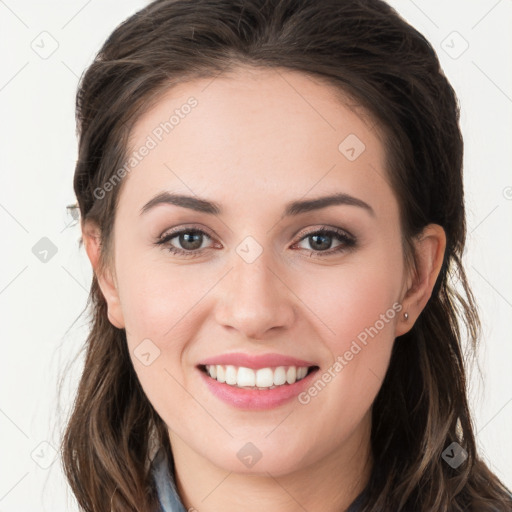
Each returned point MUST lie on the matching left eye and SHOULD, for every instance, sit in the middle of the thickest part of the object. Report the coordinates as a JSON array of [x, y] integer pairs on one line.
[[320, 241]]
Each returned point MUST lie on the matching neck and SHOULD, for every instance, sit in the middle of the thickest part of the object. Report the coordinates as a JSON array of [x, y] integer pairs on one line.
[[331, 483]]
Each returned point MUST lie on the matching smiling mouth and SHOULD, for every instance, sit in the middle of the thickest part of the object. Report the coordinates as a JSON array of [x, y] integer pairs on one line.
[[262, 379]]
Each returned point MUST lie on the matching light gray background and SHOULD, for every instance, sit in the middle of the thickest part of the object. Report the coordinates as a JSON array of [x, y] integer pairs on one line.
[[40, 301]]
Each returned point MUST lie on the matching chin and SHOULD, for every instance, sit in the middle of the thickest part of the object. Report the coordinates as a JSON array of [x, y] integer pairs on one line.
[[261, 456]]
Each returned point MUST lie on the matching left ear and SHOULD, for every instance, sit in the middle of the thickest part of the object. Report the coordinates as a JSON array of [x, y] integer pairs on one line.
[[429, 248]]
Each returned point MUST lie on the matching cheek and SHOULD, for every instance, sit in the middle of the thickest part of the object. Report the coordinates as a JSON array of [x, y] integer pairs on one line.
[[360, 307], [356, 296], [157, 298], [161, 307]]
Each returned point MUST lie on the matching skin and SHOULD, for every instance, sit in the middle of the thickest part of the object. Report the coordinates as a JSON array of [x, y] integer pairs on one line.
[[257, 140]]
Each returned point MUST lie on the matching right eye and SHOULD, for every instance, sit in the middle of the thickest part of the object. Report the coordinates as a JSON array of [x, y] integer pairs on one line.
[[190, 239]]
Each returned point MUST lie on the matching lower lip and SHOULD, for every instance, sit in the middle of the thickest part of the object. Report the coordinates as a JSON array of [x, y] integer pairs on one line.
[[255, 398]]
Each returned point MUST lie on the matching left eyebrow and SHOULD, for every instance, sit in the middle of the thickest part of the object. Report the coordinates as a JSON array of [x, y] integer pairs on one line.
[[292, 208], [298, 207]]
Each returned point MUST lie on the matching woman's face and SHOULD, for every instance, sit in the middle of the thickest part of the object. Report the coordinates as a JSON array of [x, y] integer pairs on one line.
[[254, 285]]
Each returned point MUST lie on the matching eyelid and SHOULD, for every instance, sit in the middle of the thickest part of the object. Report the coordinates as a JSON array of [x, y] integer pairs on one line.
[[325, 227], [180, 229]]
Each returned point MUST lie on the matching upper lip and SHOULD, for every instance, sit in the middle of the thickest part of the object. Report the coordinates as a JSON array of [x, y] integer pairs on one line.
[[255, 361]]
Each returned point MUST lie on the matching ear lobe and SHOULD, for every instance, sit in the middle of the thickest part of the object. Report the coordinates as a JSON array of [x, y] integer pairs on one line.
[[91, 235], [429, 247]]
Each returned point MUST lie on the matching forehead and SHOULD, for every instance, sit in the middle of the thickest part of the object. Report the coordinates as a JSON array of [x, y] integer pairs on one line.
[[266, 135]]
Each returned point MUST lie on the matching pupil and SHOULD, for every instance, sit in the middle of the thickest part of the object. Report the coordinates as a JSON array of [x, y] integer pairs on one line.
[[321, 246], [190, 238]]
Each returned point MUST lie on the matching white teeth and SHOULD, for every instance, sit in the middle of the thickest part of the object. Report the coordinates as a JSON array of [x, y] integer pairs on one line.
[[231, 375], [291, 375], [263, 378], [245, 377], [280, 375], [221, 373], [301, 372]]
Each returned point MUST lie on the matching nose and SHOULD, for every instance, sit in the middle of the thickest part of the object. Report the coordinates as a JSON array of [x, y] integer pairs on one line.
[[255, 299]]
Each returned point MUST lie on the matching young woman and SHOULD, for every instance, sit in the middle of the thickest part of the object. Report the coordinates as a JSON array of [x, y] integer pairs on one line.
[[271, 198]]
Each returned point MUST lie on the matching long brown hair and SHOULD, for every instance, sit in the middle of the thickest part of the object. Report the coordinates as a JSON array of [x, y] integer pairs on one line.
[[366, 50]]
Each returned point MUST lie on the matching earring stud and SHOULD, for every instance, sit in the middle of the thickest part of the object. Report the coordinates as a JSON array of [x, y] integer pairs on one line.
[[406, 315]]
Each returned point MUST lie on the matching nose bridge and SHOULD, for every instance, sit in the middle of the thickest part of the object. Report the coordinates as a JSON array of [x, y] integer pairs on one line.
[[255, 299], [255, 279]]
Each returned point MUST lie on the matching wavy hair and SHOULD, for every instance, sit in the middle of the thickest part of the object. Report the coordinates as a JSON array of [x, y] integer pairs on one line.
[[366, 51]]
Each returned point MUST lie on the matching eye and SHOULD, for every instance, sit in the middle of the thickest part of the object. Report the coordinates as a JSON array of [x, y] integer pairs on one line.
[[321, 240], [190, 239]]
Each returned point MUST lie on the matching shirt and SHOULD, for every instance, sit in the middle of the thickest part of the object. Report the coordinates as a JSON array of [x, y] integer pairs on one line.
[[168, 496]]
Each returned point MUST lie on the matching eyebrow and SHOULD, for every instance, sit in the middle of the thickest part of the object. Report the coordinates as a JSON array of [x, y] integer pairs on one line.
[[292, 208]]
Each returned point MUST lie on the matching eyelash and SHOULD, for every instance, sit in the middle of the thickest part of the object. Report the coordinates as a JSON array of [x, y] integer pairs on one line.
[[348, 241]]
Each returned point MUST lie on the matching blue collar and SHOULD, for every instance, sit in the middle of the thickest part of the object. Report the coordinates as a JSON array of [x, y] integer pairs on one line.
[[168, 496]]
